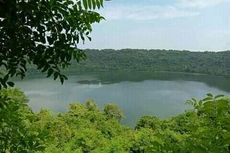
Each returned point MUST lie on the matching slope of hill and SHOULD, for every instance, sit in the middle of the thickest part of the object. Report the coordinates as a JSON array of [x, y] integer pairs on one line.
[[216, 63]]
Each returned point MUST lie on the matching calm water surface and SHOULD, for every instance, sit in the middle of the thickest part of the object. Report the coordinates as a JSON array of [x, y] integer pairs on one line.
[[138, 94]]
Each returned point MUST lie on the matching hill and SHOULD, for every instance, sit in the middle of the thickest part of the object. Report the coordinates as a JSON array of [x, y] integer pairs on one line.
[[216, 63]]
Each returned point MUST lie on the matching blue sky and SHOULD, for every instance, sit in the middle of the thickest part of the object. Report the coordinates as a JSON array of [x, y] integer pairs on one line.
[[196, 25]]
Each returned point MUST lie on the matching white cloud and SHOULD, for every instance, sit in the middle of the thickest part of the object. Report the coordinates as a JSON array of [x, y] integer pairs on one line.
[[200, 3], [135, 12], [149, 11]]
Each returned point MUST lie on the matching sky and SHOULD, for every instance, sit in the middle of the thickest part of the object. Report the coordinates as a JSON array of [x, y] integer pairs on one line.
[[196, 25]]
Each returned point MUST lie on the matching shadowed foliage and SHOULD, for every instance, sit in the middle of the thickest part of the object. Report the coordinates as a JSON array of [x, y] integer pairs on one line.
[[44, 33]]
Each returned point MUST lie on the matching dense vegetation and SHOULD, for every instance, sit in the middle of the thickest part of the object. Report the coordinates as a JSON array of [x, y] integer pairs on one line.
[[216, 63], [45, 33], [87, 129]]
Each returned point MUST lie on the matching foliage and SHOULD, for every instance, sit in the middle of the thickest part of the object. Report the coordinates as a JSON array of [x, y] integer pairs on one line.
[[215, 63], [44, 33], [85, 129], [15, 123], [113, 111]]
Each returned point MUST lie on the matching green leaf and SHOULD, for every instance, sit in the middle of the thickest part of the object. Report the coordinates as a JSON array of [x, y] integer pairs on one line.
[[219, 96], [85, 3], [50, 72], [11, 84], [90, 3], [94, 4], [209, 95], [56, 74], [62, 79]]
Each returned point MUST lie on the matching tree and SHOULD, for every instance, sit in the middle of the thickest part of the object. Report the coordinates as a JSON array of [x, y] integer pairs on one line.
[[44, 33], [16, 117], [113, 111], [86, 128]]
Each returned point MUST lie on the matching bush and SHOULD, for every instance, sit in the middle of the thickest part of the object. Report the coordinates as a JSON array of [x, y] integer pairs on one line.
[[86, 129]]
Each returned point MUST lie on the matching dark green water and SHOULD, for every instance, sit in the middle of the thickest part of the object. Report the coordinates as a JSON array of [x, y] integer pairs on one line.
[[137, 93]]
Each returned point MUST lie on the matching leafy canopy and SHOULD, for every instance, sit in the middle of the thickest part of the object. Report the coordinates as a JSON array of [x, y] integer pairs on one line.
[[44, 33], [85, 128]]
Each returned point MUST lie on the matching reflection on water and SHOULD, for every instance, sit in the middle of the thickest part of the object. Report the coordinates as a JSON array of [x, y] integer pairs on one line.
[[138, 94]]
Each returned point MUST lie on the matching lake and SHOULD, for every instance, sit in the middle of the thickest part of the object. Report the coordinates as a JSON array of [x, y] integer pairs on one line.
[[136, 93]]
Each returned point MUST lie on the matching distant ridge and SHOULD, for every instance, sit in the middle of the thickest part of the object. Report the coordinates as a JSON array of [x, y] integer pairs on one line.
[[206, 62]]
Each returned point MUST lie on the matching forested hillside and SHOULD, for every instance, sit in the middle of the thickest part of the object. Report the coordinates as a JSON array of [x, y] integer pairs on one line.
[[216, 63]]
